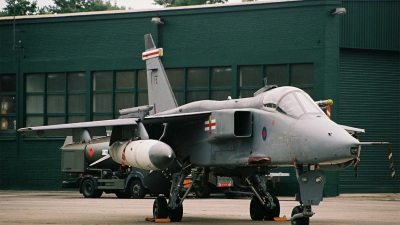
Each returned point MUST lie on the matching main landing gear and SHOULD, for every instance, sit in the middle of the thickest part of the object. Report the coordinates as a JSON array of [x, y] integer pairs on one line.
[[174, 208], [263, 206]]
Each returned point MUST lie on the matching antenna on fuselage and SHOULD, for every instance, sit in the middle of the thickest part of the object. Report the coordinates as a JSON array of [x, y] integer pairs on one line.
[[265, 88], [265, 81]]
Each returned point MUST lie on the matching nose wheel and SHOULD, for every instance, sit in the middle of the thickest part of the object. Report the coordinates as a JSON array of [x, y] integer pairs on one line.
[[299, 221]]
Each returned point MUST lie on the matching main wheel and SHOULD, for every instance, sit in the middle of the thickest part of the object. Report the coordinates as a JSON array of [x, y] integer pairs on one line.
[[89, 189], [137, 189], [270, 214], [176, 214], [203, 192], [160, 208], [299, 221], [257, 210]]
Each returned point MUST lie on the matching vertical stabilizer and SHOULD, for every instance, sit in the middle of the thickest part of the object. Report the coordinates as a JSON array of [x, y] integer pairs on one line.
[[159, 89]]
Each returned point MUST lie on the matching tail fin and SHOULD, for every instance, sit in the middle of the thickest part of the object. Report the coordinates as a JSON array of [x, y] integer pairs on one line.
[[159, 89]]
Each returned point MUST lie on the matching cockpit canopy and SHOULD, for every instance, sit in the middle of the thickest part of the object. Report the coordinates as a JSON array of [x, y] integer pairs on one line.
[[291, 101]]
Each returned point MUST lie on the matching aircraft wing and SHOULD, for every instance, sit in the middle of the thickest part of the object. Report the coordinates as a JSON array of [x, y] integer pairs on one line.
[[175, 118], [94, 128]]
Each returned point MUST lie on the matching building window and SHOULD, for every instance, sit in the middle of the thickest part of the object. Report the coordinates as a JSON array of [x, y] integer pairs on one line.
[[298, 75], [176, 78], [143, 98], [221, 83], [124, 90], [250, 80], [8, 103], [35, 93], [55, 98], [197, 84], [112, 91], [277, 74], [102, 95], [76, 97], [302, 76]]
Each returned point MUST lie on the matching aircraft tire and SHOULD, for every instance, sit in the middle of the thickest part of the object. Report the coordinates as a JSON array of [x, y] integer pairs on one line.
[[137, 189], [257, 210], [176, 214], [89, 189], [203, 192], [270, 214], [300, 221], [160, 208]]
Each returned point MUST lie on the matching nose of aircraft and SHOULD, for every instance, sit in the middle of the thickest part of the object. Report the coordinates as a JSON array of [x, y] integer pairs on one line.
[[326, 141], [161, 155]]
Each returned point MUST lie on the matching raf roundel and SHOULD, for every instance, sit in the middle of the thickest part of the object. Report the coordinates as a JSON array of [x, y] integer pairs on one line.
[[264, 133]]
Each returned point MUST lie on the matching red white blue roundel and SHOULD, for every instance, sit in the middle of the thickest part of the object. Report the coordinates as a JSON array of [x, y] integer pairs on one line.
[[264, 133]]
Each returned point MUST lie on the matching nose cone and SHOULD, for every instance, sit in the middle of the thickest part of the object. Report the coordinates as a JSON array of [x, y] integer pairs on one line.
[[161, 155], [326, 140]]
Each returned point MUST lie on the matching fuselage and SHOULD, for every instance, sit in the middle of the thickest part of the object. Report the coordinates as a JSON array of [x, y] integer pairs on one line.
[[286, 124]]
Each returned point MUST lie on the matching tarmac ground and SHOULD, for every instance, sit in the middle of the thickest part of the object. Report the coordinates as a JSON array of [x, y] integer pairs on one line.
[[70, 207]]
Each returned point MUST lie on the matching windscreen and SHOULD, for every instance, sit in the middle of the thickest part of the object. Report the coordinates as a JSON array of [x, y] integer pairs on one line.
[[307, 103], [290, 106], [294, 101], [272, 97]]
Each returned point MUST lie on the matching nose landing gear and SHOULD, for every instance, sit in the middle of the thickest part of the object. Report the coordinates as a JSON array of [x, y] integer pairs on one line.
[[311, 188], [301, 215]]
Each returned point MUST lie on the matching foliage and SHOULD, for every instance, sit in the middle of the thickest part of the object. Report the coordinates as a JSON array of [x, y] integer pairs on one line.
[[173, 3], [22, 7], [71, 6]]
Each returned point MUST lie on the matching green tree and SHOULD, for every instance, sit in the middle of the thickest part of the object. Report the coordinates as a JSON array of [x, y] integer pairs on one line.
[[72, 6], [173, 3], [69, 6], [20, 7]]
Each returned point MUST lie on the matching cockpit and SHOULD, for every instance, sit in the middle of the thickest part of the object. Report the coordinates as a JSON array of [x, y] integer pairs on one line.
[[290, 101]]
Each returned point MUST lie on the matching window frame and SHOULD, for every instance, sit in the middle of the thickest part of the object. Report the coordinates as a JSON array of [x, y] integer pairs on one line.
[[308, 88], [10, 117]]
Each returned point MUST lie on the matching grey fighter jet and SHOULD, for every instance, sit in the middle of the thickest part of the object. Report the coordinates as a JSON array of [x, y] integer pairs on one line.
[[239, 138]]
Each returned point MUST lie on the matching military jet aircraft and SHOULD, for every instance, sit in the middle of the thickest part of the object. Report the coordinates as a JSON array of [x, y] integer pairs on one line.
[[239, 138]]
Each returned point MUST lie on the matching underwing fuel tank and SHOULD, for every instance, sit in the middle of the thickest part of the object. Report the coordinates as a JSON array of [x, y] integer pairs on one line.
[[76, 157], [143, 154], [97, 150]]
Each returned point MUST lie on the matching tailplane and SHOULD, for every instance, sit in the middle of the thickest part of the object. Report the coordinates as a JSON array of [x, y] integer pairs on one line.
[[159, 89]]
